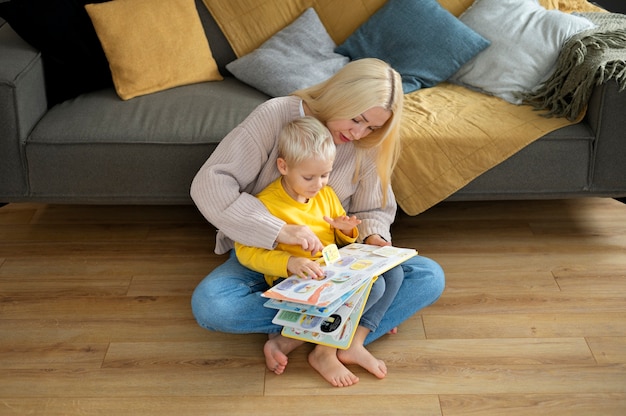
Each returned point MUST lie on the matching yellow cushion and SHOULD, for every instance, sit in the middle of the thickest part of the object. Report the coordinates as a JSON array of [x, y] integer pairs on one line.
[[247, 24], [153, 45]]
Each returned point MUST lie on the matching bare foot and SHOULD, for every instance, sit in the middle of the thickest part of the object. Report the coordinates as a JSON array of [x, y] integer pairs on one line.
[[393, 330], [358, 354], [324, 360], [276, 349]]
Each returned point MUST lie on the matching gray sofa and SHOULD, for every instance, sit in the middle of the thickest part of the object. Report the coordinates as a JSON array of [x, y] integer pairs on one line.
[[98, 149]]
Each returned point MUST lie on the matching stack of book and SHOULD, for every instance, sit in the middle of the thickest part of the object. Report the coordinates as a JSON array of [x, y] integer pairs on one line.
[[327, 311]]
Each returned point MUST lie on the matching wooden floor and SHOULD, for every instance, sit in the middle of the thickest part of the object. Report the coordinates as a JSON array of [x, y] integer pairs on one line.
[[95, 318]]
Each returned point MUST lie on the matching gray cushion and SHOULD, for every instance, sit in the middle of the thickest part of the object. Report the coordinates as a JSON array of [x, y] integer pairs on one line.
[[300, 55]]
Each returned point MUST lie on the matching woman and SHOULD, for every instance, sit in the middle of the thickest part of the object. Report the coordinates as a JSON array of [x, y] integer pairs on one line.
[[361, 105]]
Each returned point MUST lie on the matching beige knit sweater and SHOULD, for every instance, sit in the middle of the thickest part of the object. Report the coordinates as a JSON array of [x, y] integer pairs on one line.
[[245, 162]]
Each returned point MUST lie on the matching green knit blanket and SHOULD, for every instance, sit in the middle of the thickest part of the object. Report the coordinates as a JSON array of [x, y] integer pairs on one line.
[[587, 59]]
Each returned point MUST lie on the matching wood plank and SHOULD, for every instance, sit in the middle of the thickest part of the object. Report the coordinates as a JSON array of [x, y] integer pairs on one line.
[[164, 285], [117, 214], [509, 325], [106, 265], [94, 307], [104, 330], [591, 279], [172, 354], [469, 352], [49, 355], [500, 281], [390, 405], [74, 285], [453, 379], [527, 303], [180, 381], [608, 350], [534, 404]]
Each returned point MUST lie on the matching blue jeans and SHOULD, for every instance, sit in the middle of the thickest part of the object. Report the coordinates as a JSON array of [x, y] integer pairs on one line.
[[381, 296], [229, 298]]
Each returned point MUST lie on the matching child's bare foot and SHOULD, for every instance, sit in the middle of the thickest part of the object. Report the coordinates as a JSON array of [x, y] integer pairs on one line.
[[324, 360], [276, 349], [358, 354]]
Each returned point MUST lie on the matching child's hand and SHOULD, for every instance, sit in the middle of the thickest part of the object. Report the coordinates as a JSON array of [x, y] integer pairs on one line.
[[344, 223], [305, 268]]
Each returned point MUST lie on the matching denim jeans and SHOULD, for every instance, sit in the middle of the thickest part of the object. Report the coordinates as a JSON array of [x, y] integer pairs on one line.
[[381, 296], [229, 298]]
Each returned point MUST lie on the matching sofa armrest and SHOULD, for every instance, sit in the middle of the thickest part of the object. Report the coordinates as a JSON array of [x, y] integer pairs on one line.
[[605, 115], [22, 104]]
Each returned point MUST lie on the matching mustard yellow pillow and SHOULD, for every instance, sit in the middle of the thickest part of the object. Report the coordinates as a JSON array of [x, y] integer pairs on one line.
[[153, 45]]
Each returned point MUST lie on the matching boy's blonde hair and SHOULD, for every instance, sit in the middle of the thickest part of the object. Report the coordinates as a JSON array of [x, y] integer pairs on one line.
[[305, 138], [357, 87]]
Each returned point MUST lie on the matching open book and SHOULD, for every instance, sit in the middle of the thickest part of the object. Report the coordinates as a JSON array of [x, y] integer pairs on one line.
[[336, 330], [327, 311], [345, 270]]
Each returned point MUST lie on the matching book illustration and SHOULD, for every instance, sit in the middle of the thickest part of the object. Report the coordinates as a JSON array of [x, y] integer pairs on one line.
[[352, 265], [304, 321], [337, 330], [323, 311]]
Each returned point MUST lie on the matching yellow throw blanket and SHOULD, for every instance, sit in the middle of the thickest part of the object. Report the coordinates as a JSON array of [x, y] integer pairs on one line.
[[450, 135]]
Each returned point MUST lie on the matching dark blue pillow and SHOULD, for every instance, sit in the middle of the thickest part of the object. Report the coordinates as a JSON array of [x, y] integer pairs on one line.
[[424, 42]]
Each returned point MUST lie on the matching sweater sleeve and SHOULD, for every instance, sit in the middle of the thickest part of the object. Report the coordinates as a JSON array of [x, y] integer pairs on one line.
[[241, 165], [268, 262]]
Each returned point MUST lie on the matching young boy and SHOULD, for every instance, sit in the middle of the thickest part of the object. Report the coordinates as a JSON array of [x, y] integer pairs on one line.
[[301, 196]]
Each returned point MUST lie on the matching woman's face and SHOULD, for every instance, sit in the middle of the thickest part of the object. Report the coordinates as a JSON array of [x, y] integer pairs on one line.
[[344, 131]]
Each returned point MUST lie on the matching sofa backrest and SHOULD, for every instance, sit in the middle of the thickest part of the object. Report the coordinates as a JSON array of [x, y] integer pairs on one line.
[[220, 48]]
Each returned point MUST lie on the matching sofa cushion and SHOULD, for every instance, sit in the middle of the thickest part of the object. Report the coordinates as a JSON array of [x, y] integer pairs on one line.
[[300, 55], [144, 150], [152, 46], [525, 43], [73, 59], [421, 40]]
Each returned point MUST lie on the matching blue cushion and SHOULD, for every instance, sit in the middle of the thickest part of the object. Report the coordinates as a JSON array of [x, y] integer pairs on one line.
[[424, 42]]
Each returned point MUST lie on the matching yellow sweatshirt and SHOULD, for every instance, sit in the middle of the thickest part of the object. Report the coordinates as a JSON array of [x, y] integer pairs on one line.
[[273, 263]]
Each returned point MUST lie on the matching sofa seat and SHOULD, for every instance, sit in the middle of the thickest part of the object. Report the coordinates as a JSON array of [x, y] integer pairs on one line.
[[556, 165], [107, 149]]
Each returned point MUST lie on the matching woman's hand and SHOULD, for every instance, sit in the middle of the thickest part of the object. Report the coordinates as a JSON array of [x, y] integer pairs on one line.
[[304, 268], [300, 235], [377, 240]]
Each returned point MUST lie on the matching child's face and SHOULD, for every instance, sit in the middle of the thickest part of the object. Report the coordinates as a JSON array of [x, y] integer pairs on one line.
[[304, 180]]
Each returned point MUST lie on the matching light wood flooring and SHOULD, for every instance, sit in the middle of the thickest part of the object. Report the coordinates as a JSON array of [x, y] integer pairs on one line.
[[95, 318]]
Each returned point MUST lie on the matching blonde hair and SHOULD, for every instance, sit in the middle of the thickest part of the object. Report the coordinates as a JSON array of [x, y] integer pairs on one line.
[[354, 89], [305, 138]]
